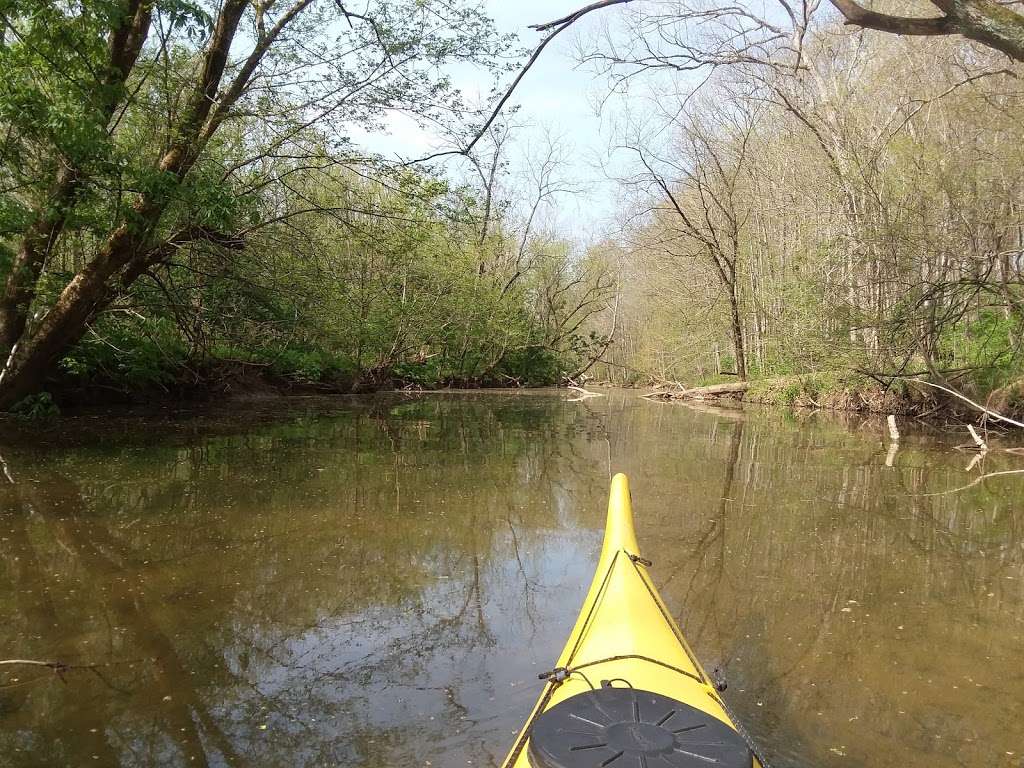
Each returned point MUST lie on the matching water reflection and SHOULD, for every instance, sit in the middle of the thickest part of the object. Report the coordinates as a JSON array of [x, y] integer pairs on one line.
[[377, 583]]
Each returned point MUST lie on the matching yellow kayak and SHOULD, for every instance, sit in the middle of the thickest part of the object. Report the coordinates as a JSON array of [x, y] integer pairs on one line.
[[627, 690]]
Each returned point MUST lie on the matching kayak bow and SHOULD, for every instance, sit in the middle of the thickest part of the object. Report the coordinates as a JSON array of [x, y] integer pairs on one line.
[[627, 690]]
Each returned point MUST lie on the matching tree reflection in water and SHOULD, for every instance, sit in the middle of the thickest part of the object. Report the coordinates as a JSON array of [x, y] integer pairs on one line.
[[378, 582]]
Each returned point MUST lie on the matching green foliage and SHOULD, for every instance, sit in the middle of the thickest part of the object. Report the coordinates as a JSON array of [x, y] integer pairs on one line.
[[395, 291], [38, 407], [420, 373], [268, 235], [533, 366], [128, 353], [790, 392], [309, 366], [989, 345]]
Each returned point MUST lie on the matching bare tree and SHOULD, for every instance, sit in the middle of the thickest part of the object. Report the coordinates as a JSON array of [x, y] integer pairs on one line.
[[698, 200]]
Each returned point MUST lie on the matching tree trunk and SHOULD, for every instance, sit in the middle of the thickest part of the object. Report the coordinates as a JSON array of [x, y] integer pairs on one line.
[[34, 351], [124, 46], [20, 286], [66, 322], [737, 333]]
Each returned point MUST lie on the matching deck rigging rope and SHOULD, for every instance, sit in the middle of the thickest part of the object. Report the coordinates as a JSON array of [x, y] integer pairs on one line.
[[719, 699], [637, 561], [742, 732]]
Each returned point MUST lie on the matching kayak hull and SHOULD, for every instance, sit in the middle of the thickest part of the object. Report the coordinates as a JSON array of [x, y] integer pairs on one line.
[[624, 637]]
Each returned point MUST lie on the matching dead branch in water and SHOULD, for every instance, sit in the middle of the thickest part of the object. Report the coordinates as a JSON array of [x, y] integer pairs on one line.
[[35, 663], [977, 438], [58, 667], [982, 408], [584, 394], [62, 666], [894, 432]]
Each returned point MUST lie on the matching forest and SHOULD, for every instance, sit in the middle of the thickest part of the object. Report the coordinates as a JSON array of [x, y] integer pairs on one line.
[[820, 197], [861, 221]]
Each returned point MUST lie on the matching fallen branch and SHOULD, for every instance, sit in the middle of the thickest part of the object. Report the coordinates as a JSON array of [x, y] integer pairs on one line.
[[660, 383], [584, 394], [894, 441], [58, 667], [35, 663], [894, 433], [890, 456], [699, 393], [983, 409]]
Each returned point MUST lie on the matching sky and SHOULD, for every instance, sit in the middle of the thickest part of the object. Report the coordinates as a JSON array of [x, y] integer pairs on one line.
[[556, 96]]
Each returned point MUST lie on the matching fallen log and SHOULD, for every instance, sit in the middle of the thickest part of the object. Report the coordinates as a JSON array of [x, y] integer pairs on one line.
[[732, 388]]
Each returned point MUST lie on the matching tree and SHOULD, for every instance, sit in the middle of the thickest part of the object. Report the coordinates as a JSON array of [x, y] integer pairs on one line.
[[688, 34], [700, 211], [136, 128], [881, 220], [680, 36]]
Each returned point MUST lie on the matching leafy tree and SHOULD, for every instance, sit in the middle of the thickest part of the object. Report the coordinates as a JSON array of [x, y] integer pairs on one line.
[[134, 130]]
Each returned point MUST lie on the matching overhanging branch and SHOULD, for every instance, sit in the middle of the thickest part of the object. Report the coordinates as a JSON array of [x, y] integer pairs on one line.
[[555, 27], [858, 15]]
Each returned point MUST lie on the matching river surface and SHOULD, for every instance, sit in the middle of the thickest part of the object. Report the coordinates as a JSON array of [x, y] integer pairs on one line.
[[377, 582]]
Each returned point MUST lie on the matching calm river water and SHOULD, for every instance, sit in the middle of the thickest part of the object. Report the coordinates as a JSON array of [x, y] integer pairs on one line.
[[375, 583]]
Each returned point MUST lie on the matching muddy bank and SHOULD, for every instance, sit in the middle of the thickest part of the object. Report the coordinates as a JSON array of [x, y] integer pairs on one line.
[[853, 393], [235, 382]]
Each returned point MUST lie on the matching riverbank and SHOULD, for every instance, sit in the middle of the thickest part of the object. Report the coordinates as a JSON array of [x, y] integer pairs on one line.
[[220, 380], [234, 381], [854, 392]]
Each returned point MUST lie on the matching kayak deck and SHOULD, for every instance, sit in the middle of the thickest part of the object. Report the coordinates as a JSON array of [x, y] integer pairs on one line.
[[624, 637]]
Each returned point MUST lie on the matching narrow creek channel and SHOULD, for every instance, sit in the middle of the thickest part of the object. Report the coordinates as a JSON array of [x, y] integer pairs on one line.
[[376, 582]]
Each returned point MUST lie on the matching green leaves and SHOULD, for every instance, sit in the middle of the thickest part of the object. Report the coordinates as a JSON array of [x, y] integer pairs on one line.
[[256, 231], [190, 18]]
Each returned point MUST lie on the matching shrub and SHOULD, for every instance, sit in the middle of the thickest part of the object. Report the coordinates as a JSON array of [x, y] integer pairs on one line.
[[37, 407]]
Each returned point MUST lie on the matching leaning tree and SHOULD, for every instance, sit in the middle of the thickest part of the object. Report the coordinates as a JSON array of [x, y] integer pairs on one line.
[[127, 124]]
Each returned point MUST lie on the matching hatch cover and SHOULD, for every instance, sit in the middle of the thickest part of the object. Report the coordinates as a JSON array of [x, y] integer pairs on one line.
[[630, 728]]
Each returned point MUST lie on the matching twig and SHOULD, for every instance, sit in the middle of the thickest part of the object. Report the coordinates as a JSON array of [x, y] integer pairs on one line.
[[555, 27]]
